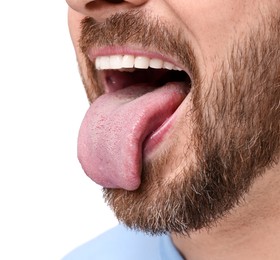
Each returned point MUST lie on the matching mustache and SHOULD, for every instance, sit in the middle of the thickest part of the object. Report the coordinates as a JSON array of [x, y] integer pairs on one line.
[[138, 28]]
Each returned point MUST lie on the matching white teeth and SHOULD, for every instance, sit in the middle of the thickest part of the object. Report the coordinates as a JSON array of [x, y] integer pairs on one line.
[[141, 62], [168, 65], [97, 63], [124, 62], [103, 63], [128, 61], [116, 62], [156, 63], [177, 68]]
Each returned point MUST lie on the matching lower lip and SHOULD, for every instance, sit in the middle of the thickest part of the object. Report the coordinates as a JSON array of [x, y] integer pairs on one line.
[[153, 140]]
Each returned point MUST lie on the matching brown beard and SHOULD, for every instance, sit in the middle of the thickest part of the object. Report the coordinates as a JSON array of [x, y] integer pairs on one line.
[[236, 131]]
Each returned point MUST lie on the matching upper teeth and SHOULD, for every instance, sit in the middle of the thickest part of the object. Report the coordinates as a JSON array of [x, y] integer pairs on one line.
[[131, 61]]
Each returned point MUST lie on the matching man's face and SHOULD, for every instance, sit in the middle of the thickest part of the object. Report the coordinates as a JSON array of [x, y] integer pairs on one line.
[[184, 111]]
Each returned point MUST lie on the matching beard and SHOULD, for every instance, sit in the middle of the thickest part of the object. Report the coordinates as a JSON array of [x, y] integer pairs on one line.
[[234, 136]]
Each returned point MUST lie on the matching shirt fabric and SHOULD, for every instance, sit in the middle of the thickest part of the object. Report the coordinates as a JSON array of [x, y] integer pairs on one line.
[[121, 243]]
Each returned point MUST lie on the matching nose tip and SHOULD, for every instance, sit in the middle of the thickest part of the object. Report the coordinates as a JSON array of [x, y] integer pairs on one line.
[[103, 8]]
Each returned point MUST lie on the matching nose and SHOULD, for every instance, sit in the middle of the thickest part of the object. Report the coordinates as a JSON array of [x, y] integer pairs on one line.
[[103, 8]]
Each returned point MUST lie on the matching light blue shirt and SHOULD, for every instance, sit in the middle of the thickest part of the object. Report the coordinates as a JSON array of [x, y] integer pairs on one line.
[[121, 243]]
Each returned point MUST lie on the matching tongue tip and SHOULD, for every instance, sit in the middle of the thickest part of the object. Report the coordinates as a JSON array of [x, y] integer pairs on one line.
[[129, 182], [130, 185]]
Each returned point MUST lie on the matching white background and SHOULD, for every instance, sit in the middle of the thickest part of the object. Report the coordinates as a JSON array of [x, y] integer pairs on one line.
[[47, 204]]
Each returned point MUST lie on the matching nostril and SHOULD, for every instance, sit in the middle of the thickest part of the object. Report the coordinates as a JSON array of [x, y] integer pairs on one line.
[[115, 1], [98, 3], [100, 10]]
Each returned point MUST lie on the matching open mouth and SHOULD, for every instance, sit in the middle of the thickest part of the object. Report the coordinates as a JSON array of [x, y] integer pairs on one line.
[[121, 71], [128, 122]]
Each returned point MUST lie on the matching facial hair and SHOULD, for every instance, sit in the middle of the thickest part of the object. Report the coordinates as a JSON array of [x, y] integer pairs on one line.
[[235, 126]]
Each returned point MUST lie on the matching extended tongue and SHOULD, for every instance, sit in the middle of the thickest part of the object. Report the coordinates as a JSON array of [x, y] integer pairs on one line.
[[114, 128]]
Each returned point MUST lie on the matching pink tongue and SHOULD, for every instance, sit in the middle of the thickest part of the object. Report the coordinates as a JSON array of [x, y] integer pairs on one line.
[[114, 128]]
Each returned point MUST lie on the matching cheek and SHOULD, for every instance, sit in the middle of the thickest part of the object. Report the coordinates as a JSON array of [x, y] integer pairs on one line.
[[74, 20], [212, 25]]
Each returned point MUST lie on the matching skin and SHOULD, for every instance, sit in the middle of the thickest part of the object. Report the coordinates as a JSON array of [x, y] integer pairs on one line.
[[252, 229]]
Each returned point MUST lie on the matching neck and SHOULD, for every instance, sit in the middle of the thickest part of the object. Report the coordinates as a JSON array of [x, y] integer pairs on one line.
[[250, 231]]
